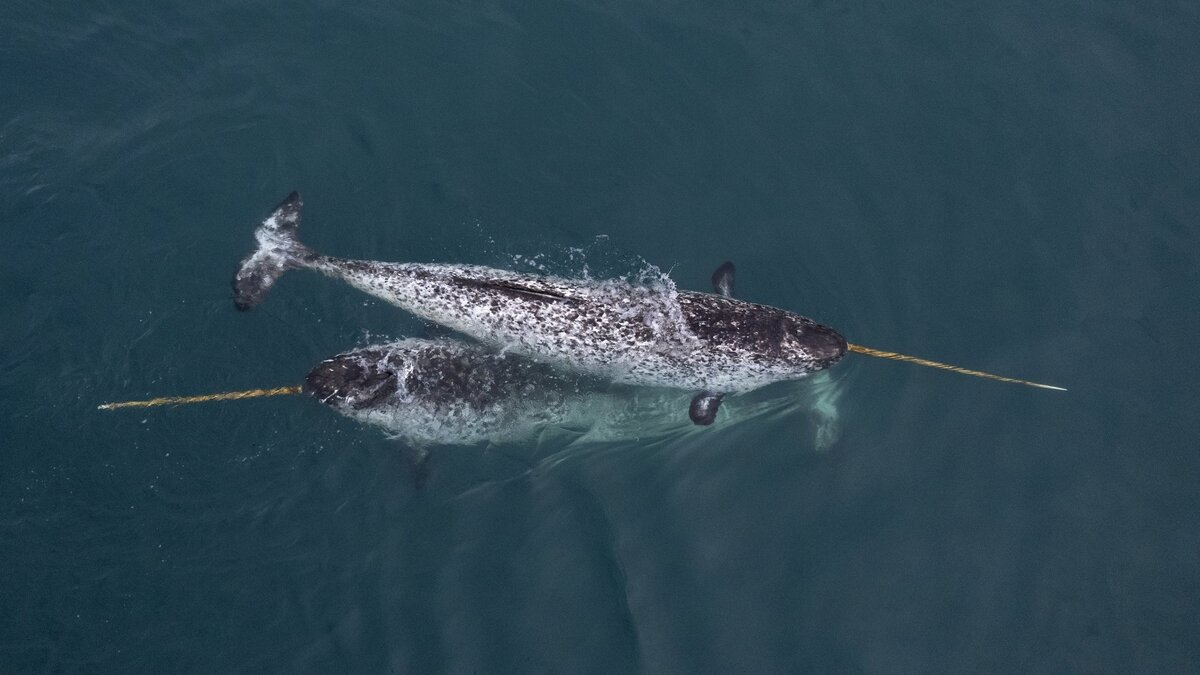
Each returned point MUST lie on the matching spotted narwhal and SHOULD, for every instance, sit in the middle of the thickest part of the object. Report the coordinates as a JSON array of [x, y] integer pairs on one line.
[[638, 334], [451, 392]]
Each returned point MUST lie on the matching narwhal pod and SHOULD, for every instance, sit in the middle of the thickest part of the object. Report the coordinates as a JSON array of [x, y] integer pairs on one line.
[[451, 392]]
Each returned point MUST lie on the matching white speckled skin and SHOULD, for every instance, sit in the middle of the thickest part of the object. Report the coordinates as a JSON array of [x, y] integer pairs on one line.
[[450, 392], [637, 334], [620, 331], [437, 392]]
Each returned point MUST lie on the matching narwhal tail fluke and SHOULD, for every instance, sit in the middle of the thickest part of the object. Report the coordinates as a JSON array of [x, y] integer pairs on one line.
[[879, 353], [278, 251]]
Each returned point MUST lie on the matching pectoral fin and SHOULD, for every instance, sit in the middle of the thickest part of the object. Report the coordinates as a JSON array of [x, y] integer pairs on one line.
[[722, 279], [703, 409]]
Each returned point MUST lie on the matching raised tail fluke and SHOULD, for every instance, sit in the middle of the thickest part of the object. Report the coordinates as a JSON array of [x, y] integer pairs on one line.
[[278, 251]]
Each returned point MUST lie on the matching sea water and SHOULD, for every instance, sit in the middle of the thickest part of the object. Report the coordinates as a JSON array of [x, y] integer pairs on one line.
[[1008, 186]]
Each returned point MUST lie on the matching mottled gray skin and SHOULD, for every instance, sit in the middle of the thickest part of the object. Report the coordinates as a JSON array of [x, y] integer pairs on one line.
[[624, 332], [435, 392], [615, 330], [450, 392]]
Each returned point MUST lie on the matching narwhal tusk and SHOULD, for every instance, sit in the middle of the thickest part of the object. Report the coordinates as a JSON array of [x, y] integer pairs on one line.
[[879, 353], [180, 400]]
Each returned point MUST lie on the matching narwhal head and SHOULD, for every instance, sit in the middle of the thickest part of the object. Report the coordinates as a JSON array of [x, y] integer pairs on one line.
[[808, 345], [775, 337], [357, 380]]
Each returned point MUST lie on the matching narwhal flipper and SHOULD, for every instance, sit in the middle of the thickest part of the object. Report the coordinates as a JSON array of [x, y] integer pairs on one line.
[[703, 409], [722, 279]]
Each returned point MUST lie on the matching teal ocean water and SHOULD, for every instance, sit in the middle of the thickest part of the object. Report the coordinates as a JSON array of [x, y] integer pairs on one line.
[[1009, 186]]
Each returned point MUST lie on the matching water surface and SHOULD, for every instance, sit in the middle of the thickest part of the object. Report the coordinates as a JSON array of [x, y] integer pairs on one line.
[[1012, 187]]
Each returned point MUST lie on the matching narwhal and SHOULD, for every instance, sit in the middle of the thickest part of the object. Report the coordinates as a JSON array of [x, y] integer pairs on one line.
[[436, 392], [635, 334], [452, 392]]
